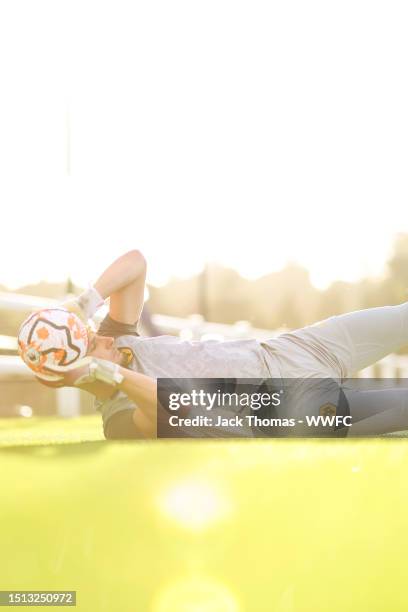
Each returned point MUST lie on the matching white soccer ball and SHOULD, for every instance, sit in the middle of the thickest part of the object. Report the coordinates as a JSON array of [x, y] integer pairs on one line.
[[51, 338]]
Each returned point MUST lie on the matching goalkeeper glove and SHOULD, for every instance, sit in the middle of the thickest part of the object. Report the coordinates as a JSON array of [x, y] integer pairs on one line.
[[85, 305], [85, 371]]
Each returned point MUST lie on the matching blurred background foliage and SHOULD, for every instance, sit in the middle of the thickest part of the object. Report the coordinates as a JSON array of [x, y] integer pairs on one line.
[[286, 298]]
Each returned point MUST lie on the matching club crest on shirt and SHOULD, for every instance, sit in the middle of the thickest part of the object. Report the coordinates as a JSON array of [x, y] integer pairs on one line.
[[128, 355], [327, 409]]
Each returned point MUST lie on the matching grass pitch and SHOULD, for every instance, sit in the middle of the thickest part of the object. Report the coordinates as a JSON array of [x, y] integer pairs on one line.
[[203, 526]]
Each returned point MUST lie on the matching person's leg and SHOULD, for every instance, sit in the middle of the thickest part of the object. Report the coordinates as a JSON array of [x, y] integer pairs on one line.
[[375, 333], [353, 341], [377, 412]]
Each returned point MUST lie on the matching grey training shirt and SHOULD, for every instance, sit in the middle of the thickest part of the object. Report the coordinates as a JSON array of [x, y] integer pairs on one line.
[[170, 357]]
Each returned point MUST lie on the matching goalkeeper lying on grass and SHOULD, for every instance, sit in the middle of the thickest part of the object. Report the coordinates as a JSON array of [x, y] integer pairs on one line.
[[120, 368]]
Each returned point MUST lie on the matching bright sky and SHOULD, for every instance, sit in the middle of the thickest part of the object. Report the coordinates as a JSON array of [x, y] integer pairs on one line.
[[250, 133]]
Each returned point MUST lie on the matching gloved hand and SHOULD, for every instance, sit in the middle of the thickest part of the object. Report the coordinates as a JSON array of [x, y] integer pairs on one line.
[[86, 371], [85, 305]]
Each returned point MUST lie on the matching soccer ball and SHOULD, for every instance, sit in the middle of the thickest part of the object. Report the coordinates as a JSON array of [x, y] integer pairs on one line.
[[52, 337]]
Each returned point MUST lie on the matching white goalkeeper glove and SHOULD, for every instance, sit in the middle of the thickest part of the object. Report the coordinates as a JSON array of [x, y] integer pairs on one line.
[[85, 305], [85, 371], [101, 370]]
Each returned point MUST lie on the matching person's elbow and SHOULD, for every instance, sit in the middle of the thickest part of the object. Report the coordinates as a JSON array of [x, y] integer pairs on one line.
[[137, 258]]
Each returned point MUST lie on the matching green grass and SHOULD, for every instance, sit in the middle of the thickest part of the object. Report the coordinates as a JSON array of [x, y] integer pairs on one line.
[[203, 526], [40, 431]]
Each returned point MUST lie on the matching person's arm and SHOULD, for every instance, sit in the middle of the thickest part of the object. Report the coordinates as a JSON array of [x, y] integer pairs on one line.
[[104, 379], [141, 422], [140, 389], [123, 282], [143, 391]]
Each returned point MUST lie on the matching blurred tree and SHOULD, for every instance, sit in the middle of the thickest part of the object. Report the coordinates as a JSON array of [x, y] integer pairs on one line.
[[228, 295], [70, 287], [286, 297], [339, 297], [398, 270]]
